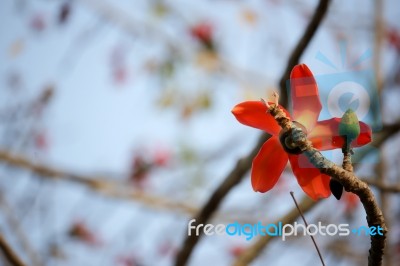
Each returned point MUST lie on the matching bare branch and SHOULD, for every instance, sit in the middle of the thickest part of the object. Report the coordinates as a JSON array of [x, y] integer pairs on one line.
[[113, 189], [395, 188], [347, 164], [349, 181], [97, 183], [312, 27], [9, 253], [17, 230], [243, 165], [252, 252]]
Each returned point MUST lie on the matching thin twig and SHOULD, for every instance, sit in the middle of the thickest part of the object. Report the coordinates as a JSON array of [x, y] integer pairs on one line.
[[243, 165], [97, 183], [255, 249], [394, 188], [113, 189], [305, 222], [9, 253], [15, 226], [312, 27], [134, 26]]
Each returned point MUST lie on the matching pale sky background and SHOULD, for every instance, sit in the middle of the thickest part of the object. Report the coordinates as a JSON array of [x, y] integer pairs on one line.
[[94, 126]]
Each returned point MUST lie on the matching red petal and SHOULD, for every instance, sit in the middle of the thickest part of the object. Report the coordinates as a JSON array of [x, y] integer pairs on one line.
[[305, 97], [313, 183], [325, 135], [365, 136], [254, 114], [268, 165]]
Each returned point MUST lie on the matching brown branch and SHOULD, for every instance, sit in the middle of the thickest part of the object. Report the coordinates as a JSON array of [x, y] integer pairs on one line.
[[347, 164], [395, 188], [18, 232], [350, 182], [96, 183], [312, 27], [129, 24], [234, 177], [118, 190], [243, 165], [111, 190], [9, 253], [387, 132]]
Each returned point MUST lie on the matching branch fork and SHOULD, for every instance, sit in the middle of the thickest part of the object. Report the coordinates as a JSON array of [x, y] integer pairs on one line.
[[345, 176]]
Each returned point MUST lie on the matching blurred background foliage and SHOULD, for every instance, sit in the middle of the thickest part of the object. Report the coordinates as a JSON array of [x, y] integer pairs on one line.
[[128, 103]]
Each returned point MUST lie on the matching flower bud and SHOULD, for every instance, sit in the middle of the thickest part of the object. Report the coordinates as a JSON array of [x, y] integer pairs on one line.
[[349, 126]]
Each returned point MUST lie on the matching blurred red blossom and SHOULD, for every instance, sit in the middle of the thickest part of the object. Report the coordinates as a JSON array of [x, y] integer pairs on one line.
[[38, 22], [351, 202], [118, 64], [41, 141], [162, 157], [139, 170], [80, 231], [203, 32], [167, 249], [393, 37], [236, 251], [143, 162], [127, 260], [120, 74]]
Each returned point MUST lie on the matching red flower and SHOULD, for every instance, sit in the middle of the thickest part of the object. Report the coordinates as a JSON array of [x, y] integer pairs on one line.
[[270, 161], [203, 32], [80, 231]]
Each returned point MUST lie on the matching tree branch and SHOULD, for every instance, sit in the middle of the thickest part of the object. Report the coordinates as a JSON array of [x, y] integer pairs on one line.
[[9, 253], [347, 165], [19, 233], [252, 252], [97, 183], [243, 165], [113, 189], [234, 177], [395, 188], [312, 27], [349, 181]]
